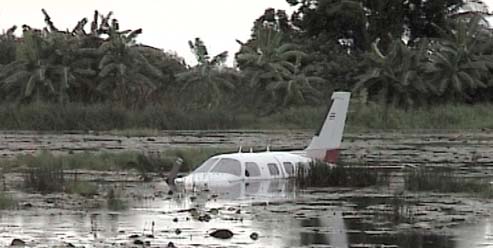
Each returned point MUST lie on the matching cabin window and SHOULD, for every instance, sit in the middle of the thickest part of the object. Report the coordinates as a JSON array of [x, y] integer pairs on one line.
[[206, 166], [252, 169], [229, 166], [289, 168], [273, 169]]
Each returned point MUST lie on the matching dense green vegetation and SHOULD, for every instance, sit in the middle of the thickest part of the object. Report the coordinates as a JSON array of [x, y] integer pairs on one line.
[[398, 57], [319, 174], [131, 160], [46, 172], [149, 120]]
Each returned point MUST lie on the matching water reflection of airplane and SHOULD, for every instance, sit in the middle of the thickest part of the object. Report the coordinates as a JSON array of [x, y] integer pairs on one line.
[[262, 189], [335, 233], [284, 230], [236, 167]]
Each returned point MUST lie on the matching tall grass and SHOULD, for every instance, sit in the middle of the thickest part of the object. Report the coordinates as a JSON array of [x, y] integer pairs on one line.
[[192, 158], [106, 161], [82, 188], [435, 117], [7, 201], [445, 180], [85, 160], [114, 200], [76, 116], [44, 174], [372, 116], [320, 174]]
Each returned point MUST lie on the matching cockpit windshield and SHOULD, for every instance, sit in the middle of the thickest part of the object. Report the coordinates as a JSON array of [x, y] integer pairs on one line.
[[206, 166], [229, 166]]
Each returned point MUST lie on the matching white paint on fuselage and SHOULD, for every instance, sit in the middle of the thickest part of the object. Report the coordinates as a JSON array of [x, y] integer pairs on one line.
[[234, 167]]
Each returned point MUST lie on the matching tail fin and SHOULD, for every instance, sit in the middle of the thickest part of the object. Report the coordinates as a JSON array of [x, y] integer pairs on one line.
[[326, 143]]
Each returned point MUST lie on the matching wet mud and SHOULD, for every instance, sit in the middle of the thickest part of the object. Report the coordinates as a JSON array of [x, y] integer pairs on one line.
[[454, 148]]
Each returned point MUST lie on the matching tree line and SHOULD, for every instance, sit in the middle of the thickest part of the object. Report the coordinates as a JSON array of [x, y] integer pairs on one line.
[[408, 54]]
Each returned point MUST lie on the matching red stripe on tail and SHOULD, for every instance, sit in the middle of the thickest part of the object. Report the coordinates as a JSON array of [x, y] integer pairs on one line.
[[331, 156]]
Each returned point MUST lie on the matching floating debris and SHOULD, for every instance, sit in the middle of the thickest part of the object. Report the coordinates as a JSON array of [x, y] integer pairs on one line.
[[18, 242], [222, 234], [254, 236]]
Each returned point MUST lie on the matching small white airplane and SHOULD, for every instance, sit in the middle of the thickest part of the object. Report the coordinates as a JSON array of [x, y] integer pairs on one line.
[[234, 167]]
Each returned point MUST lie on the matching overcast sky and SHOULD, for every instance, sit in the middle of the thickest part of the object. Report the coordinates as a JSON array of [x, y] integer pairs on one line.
[[167, 24]]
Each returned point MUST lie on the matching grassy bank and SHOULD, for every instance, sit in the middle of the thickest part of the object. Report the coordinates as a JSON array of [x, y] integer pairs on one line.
[[368, 117], [146, 121], [73, 116]]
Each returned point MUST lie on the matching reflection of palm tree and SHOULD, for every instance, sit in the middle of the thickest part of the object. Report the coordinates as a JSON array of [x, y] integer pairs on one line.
[[209, 76]]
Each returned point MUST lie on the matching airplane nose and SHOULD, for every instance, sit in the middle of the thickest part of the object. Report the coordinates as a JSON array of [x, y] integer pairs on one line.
[[207, 179]]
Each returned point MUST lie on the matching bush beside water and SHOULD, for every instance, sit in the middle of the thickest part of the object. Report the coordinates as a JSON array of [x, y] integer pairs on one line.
[[106, 161], [320, 174], [77, 116], [446, 181], [7, 201], [46, 172]]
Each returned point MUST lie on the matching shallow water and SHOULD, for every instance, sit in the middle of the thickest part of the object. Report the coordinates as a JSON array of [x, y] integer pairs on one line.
[[452, 148], [280, 214]]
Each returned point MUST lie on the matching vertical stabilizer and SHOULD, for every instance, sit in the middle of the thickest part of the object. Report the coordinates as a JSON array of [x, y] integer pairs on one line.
[[326, 143]]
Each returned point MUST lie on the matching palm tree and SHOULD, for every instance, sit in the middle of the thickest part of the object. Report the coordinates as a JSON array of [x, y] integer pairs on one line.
[[7, 46], [72, 66], [296, 87], [394, 78], [210, 77], [29, 74], [267, 59], [125, 74], [275, 70], [457, 64]]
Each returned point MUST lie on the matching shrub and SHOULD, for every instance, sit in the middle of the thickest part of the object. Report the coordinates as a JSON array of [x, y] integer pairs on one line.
[[319, 174], [444, 180], [85, 189]]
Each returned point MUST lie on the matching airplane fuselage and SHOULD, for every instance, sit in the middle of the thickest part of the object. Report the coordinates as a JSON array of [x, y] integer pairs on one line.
[[234, 167], [227, 168]]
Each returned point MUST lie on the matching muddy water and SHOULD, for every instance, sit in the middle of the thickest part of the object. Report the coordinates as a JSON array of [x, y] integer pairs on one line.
[[280, 214], [454, 148]]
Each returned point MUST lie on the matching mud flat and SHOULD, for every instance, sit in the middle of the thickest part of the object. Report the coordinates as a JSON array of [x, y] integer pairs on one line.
[[451, 148]]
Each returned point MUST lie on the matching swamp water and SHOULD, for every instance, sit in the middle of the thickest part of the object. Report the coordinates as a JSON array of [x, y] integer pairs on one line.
[[280, 214]]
